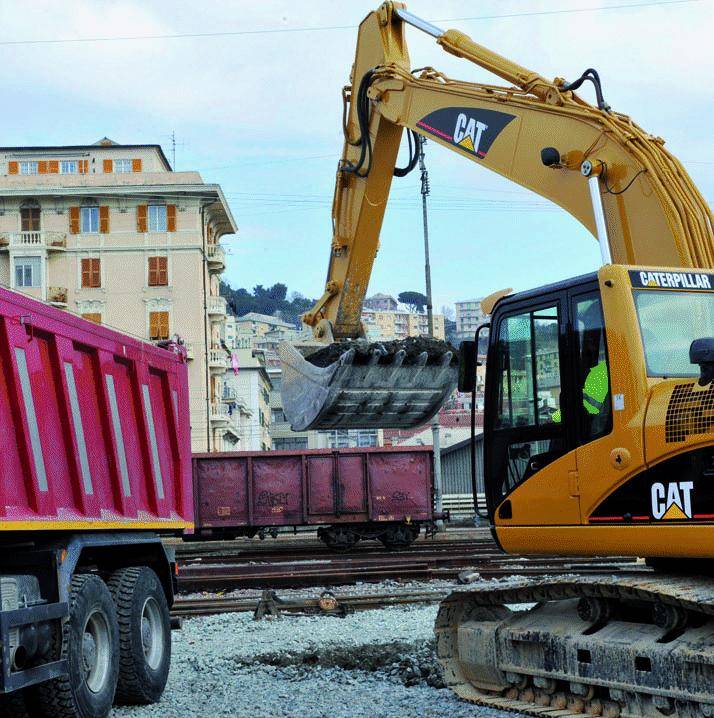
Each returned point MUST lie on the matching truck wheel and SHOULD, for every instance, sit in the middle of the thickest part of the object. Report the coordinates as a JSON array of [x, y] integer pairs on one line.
[[144, 635], [90, 643]]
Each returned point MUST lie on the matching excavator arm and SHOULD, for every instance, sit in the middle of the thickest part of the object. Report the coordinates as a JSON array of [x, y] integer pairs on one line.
[[598, 165]]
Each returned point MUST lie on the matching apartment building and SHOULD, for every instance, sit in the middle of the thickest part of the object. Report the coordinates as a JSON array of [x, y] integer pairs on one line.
[[399, 325], [381, 302], [110, 232], [247, 393], [468, 318]]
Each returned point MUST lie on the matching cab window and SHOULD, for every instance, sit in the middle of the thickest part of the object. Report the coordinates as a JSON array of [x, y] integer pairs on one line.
[[529, 391], [593, 402]]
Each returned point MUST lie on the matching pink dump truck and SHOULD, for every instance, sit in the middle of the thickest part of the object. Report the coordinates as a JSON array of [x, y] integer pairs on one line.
[[95, 463]]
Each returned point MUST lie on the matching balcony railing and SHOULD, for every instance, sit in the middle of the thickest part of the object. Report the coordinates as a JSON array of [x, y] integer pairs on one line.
[[216, 256], [217, 306], [219, 412], [36, 240], [217, 359]]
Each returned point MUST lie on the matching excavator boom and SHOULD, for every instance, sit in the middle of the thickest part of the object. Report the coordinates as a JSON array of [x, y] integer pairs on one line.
[[598, 165]]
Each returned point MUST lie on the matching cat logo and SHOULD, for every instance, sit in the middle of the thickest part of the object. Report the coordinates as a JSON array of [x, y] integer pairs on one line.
[[673, 501], [468, 132]]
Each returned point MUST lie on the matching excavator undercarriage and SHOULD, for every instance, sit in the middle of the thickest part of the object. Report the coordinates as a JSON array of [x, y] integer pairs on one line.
[[639, 645]]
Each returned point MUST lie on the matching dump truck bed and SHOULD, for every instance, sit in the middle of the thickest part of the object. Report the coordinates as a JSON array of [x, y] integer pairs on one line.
[[93, 424]]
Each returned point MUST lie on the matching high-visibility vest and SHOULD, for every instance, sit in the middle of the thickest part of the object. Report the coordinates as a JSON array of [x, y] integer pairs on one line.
[[595, 389]]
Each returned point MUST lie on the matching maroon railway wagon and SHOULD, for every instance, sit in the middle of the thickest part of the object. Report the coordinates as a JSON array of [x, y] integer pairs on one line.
[[95, 461], [348, 494]]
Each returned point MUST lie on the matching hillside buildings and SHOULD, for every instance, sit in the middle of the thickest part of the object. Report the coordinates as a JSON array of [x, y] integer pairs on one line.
[[382, 323], [468, 318], [112, 233]]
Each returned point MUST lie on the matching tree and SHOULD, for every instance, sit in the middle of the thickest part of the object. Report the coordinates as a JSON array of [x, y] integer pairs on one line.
[[271, 300], [416, 301]]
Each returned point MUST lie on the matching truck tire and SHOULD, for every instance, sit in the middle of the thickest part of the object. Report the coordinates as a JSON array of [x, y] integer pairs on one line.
[[144, 635], [90, 643]]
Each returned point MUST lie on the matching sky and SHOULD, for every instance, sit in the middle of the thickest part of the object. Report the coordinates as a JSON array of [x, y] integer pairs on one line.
[[260, 114]]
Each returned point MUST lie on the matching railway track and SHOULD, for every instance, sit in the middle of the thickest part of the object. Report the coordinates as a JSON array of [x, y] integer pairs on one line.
[[310, 566], [186, 607]]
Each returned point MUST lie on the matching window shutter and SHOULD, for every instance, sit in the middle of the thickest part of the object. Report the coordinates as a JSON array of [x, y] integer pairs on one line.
[[83, 167], [54, 167], [96, 266], [104, 220], [86, 273], [93, 317], [163, 272], [42, 167], [136, 165], [108, 165], [159, 325], [141, 214], [13, 168], [153, 279], [74, 220], [170, 217]]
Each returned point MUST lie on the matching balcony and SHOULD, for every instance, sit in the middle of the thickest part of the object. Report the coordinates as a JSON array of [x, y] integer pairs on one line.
[[216, 257], [216, 307], [57, 296], [231, 396], [217, 360], [56, 241], [220, 413]]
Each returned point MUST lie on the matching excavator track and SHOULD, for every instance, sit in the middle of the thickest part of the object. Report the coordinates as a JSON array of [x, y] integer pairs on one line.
[[617, 646]]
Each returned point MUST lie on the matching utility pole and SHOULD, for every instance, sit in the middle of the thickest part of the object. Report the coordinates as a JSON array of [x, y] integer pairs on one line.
[[435, 428]]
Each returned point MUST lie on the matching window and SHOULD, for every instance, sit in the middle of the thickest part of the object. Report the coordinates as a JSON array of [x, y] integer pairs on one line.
[[158, 325], [95, 317], [593, 390], [157, 218], [30, 219], [89, 219], [669, 323], [158, 271], [69, 167], [91, 273], [278, 416], [122, 166], [529, 390], [27, 272], [290, 443], [28, 168]]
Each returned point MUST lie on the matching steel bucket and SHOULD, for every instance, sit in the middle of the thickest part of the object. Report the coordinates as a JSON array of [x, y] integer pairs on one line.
[[375, 394]]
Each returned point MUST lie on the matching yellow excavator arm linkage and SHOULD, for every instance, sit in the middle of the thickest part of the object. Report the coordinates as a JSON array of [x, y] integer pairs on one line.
[[537, 133]]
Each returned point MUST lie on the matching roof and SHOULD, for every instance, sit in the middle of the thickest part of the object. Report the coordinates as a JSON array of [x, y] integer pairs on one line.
[[104, 142], [266, 318], [461, 444]]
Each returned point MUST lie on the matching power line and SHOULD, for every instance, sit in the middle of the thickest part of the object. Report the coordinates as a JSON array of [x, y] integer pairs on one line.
[[324, 28]]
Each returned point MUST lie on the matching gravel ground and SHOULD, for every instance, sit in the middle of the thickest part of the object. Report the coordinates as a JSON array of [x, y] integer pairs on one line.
[[375, 664]]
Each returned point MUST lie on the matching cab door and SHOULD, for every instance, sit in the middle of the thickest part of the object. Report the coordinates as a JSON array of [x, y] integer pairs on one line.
[[529, 464]]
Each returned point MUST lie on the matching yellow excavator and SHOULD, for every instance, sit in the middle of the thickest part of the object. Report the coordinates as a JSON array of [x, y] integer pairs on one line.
[[599, 409]]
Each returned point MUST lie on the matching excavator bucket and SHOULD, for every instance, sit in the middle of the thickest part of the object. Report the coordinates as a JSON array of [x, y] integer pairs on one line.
[[351, 385]]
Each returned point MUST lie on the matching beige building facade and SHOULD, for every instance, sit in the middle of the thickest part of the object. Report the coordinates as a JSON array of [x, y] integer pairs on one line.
[[400, 325], [110, 232]]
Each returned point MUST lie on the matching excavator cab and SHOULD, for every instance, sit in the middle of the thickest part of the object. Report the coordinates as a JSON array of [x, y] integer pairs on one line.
[[597, 389]]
